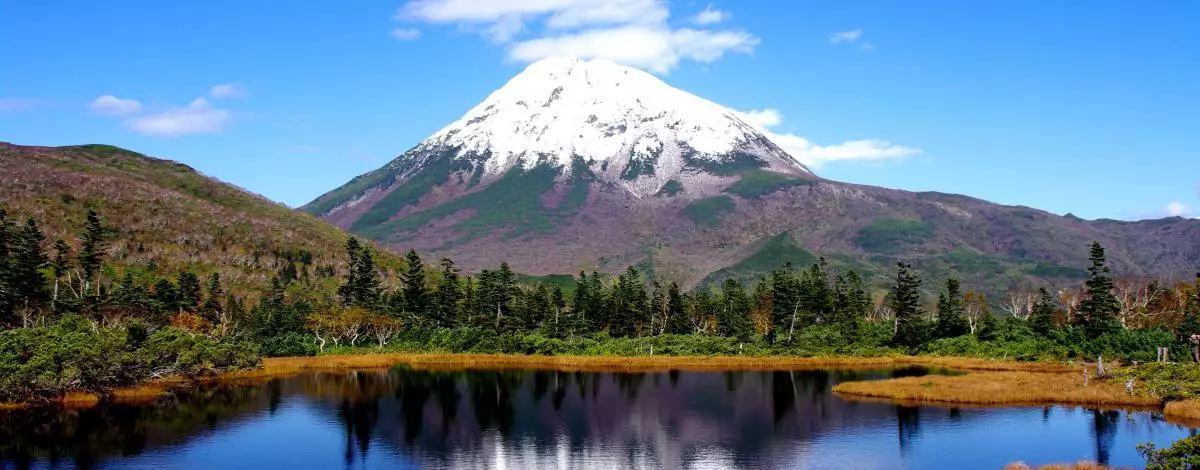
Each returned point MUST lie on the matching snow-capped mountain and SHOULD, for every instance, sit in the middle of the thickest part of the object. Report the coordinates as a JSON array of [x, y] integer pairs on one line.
[[620, 117], [592, 165]]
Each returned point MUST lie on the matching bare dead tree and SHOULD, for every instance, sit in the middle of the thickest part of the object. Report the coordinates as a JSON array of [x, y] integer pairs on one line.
[[1019, 303], [1135, 296]]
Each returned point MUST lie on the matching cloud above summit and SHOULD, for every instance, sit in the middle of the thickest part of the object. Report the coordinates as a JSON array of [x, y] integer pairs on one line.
[[813, 155], [633, 32]]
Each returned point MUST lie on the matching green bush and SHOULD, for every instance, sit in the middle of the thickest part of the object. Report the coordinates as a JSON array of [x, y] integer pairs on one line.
[[73, 355], [1183, 454], [288, 344]]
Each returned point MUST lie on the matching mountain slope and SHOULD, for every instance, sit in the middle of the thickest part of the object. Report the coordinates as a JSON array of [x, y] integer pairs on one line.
[[591, 165], [164, 215]]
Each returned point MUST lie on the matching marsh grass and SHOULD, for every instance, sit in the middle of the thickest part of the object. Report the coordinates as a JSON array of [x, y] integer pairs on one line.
[[1001, 388], [1057, 466]]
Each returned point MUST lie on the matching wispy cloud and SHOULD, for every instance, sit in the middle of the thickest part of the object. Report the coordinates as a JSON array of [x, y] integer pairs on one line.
[[228, 90], [633, 32], [198, 117], [109, 105], [406, 34], [710, 15], [845, 36], [814, 155]]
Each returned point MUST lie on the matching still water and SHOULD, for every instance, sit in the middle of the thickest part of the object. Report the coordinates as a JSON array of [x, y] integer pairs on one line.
[[403, 418]]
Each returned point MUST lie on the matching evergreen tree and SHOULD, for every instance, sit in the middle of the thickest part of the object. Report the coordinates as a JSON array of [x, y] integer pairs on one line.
[[6, 291], [817, 299], [212, 310], [951, 316], [734, 320], [1041, 319], [165, 300], [677, 322], [628, 304], [347, 289], [657, 309], [1099, 308], [91, 251], [446, 296], [414, 286], [189, 291], [558, 299], [59, 266], [785, 299], [580, 301], [853, 303], [132, 297], [367, 285], [905, 303], [27, 284]]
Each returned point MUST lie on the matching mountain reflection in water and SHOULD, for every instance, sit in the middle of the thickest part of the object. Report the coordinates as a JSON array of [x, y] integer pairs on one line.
[[534, 419]]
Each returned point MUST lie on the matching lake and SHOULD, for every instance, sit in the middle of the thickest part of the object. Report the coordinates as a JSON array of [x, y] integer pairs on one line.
[[403, 418]]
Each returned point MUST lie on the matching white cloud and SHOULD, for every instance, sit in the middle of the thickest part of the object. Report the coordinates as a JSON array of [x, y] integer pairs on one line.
[[813, 155], [654, 49], [109, 105], [633, 32], [406, 34], [1175, 209], [228, 90], [710, 16], [199, 117], [762, 118], [845, 36]]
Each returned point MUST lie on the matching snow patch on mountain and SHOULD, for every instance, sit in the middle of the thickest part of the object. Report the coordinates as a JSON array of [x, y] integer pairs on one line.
[[562, 108]]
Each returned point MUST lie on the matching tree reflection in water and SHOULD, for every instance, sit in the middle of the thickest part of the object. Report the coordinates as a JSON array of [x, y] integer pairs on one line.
[[527, 418]]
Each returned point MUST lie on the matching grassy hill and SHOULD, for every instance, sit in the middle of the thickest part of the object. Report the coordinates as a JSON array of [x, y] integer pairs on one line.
[[166, 217]]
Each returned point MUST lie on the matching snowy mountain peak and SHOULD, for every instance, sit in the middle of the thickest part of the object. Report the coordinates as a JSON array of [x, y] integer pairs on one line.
[[560, 108]]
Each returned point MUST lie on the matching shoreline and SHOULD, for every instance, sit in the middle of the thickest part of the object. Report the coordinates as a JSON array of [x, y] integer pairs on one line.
[[986, 383]]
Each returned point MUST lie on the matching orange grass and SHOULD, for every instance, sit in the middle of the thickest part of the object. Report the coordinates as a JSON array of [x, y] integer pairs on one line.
[[1057, 466], [999, 388], [1189, 409]]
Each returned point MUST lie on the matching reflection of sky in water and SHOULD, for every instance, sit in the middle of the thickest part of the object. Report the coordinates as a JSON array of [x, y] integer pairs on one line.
[[408, 419]]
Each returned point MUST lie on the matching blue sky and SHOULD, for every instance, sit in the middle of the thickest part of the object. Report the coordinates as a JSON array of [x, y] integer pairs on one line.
[[1091, 108]]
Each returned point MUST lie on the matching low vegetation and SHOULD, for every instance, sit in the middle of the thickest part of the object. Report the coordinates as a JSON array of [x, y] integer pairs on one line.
[[708, 211], [755, 183]]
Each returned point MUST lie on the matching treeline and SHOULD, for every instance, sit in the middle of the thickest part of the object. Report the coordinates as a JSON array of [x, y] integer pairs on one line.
[[419, 307]]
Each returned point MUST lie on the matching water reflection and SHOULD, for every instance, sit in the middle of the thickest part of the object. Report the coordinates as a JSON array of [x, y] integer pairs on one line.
[[529, 419]]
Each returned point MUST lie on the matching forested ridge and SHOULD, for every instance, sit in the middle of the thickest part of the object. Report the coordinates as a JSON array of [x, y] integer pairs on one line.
[[73, 322]]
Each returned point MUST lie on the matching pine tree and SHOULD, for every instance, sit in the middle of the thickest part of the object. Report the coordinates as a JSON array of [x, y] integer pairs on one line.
[[26, 282], [346, 289], [785, 299], [906, 305], [1099, 308], [59, 266], [91, 252], [734, 321], [1041, 319], [6, 289], [677, 322], [580, 302], [951, 316], [189, 291], [817, 299], [165, 300], [446, 296], [212, 309], [414, 286], [367, 285]]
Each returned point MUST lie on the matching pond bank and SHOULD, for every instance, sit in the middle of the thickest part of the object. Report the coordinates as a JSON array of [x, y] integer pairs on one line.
[[989, 382]]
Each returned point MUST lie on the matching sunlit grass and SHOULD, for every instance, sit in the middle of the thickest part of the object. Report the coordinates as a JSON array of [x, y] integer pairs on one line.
[[1000, 387]]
